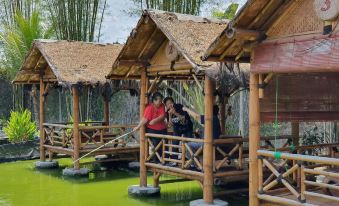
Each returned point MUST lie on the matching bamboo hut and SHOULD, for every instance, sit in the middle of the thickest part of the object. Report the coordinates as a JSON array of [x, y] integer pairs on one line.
[[167, 46], [74, 65], [293, 50]]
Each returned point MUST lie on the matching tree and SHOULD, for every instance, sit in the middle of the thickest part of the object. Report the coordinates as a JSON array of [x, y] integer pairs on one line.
[[228, 14], [17, 38], [76, 20], [179, 6]]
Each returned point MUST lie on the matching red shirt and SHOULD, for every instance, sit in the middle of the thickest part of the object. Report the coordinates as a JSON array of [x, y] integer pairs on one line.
[[152, 112]]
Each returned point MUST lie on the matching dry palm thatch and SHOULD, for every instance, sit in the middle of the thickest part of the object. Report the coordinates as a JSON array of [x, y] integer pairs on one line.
[[68, 62]]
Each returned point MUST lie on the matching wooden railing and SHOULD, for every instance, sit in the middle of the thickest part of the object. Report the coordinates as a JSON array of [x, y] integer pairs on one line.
[[293, 172], [99, 135], [178, 151], [186, 154], [62, 135]]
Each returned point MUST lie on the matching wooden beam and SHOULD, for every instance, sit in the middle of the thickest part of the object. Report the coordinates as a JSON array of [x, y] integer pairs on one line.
[[243, 34], [106, 112], [148, 42], [254, 136], [229, 59], [166, 67], [197, 82], [129, 63], [41, 64], [143, 148], [76, 135], [42, 120], [208, 142]]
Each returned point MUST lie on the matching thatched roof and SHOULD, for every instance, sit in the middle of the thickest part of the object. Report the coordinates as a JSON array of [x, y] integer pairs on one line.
[[68, 62], [191, 36], [249, 26]]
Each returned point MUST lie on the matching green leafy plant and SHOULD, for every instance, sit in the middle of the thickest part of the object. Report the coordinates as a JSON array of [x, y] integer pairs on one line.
[[228, 14], [20, 126], [17, 38], [313, 136]]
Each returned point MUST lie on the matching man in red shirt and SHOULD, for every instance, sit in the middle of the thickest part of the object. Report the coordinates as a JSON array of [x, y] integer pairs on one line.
[[154, 119]]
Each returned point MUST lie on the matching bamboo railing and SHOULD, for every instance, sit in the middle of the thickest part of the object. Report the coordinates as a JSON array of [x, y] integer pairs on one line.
[[173, 154], [61, 134], [283, 166]]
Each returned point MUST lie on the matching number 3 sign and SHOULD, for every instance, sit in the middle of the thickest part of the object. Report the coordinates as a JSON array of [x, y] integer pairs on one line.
[[326, 9]]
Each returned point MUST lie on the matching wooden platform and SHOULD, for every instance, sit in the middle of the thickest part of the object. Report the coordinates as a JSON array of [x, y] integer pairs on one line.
[[310, 200], [105, 150]]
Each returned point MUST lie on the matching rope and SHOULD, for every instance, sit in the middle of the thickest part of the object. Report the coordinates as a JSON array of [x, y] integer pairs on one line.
[[96, 149]]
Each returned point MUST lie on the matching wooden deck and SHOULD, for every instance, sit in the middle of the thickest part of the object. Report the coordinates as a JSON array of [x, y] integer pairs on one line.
[[310, 200], [106, 150]]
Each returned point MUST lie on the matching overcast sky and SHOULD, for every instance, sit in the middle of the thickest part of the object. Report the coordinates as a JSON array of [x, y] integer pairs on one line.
[[118, 21]]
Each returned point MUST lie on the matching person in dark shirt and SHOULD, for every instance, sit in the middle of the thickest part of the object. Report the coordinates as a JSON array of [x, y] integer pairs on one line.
[[178, 118], [201, 119], [180, 121]]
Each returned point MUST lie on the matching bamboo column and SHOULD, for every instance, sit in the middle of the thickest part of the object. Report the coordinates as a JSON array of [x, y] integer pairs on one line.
[[208, 142], [106, 112], [143, 101], [254, 139], [42, 120], [76, 136], [295, 140]]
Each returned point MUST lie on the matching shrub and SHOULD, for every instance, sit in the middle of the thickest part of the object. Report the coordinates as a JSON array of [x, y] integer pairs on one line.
[[20, 127]]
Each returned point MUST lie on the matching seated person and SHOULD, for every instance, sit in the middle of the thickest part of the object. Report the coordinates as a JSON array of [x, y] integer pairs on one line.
[[201, 119]]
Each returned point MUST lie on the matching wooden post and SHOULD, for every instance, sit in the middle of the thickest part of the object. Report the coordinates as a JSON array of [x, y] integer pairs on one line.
[[254, 139], [222, 114], [143, 101], [42, 120], [106, 112], [208, 142], [295, 141], [76, 136]]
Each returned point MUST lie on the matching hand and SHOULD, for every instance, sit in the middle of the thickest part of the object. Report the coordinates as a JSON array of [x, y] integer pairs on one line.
[[151, 122], [171, 111], [184, 109], [135, 129]]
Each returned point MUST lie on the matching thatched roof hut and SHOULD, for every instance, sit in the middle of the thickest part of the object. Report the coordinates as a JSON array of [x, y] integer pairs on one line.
[[165, 43], [68, 62], [252, 24]]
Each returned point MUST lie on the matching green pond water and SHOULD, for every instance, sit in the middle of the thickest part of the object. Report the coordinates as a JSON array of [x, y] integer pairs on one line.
[[21, 184]]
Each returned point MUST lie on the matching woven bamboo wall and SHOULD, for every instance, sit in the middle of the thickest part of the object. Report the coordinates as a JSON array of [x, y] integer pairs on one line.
[[301, 18]]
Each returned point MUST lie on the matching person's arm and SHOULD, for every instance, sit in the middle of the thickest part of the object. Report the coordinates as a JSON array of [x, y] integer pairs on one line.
[[146, 118], [156, 120], [160, 118], [192, 113], [142, 122]]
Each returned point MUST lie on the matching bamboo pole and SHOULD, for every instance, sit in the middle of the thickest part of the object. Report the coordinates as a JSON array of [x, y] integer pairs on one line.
[[208, 142], [42, 120], [302, 183], [254, 134], [76, 136], [143, 148], [295, 140], [106, 112]]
